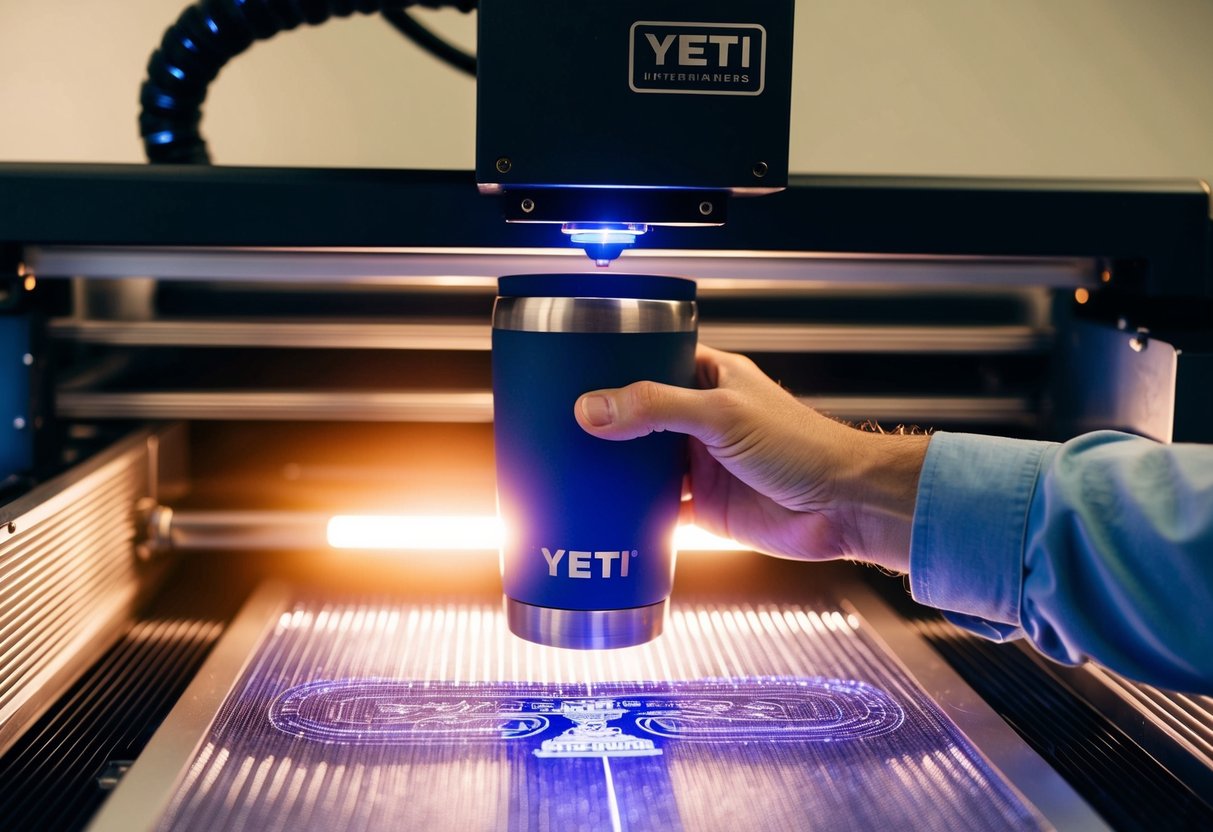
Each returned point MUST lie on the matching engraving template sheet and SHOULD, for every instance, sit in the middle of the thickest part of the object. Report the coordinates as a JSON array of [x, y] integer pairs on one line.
[[362, 715]]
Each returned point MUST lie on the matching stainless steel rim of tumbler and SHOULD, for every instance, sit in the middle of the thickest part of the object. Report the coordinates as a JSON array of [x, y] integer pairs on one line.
[[594, 315], [585, 629]]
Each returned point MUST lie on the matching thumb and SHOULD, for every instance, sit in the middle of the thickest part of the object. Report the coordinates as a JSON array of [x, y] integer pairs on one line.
[[647, 407]]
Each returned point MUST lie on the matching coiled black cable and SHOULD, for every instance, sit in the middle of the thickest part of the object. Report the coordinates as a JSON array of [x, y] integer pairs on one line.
[[448, 53], [205, 37]]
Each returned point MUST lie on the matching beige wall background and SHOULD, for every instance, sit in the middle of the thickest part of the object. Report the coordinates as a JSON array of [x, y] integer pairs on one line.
[[999, 87]]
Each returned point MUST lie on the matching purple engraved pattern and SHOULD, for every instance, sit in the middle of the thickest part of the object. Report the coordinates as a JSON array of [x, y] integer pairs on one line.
[[393, 712], [388, 712], [774, 710]]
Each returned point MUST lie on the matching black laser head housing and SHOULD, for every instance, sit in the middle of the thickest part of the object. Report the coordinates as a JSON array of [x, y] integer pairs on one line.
[[611, 117]]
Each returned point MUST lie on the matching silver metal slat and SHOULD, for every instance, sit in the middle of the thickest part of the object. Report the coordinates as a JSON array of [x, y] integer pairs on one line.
[[478, 268], [475, 336], [429, 406], [928, 410], [317, 334], [477, 406], [959, 340]]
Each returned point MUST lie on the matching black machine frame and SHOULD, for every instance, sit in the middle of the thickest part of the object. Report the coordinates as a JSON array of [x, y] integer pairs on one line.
[[1156, 236]]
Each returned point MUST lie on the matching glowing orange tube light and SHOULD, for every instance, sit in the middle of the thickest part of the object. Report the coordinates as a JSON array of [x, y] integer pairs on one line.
[[420, 532]]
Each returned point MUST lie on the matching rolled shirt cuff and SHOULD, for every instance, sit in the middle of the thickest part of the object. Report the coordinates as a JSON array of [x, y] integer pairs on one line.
[[970, 522]]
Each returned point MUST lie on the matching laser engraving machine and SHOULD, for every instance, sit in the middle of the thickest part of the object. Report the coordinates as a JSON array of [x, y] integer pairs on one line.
[[248, 540], [703, 116]]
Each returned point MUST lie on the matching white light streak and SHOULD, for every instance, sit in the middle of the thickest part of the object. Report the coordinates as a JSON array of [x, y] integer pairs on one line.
[[404, 532], [466, 532], [692, 538], [612, 801]]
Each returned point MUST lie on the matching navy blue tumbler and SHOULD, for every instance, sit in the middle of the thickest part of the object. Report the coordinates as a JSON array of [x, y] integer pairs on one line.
[[587, 559]]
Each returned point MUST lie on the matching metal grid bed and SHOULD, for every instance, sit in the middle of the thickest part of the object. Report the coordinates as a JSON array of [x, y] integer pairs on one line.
[[370, 714]]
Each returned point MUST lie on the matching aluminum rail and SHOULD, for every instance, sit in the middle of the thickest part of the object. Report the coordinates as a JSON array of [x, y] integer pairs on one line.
[[238, 530], [477, 406], [467, 335], [455, 268]]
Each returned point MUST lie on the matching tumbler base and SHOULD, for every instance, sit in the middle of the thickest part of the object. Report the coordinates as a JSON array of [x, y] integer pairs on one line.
[[585, 629]]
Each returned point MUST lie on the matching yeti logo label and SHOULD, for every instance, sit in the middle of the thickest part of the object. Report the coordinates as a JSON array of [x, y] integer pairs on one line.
[[575, 564], [697, 58]]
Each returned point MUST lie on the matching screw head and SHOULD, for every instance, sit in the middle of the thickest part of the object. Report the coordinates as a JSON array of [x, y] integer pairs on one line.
[[528, 205], [705, 207], [760, 169], [19, 423], [504, 165]]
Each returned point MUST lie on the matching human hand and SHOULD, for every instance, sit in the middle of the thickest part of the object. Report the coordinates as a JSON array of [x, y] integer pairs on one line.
[[770, 472]]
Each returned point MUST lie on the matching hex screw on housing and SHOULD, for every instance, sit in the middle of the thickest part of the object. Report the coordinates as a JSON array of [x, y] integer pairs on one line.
[[504, 165], [705, 207], [760, 169], [527, 205]]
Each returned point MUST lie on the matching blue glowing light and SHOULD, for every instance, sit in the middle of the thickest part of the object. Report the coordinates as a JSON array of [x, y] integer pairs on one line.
[[212, 25], [165, 101], [603, 241], [163, 137], [189, 44], [604, 233], [176, 73], [603, 237], [779, 709]]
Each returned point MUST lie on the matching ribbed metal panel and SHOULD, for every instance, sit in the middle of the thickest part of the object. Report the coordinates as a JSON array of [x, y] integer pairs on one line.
[[1185, 719], [1121, 780], [64, 767], [67, 577]]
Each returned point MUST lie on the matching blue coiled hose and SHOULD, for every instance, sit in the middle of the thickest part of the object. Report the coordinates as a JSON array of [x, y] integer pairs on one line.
[[205, 37]]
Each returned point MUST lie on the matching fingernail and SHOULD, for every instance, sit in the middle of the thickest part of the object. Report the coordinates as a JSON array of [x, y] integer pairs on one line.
[[597, 411]]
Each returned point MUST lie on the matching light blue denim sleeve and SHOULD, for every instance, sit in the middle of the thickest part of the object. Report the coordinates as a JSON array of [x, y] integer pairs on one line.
[[1100, 548]]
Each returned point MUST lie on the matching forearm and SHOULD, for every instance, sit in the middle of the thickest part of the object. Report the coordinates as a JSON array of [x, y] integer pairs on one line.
[[878, 489]]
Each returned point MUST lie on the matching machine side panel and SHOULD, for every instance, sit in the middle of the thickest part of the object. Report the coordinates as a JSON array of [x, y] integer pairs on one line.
[[68, 578]]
